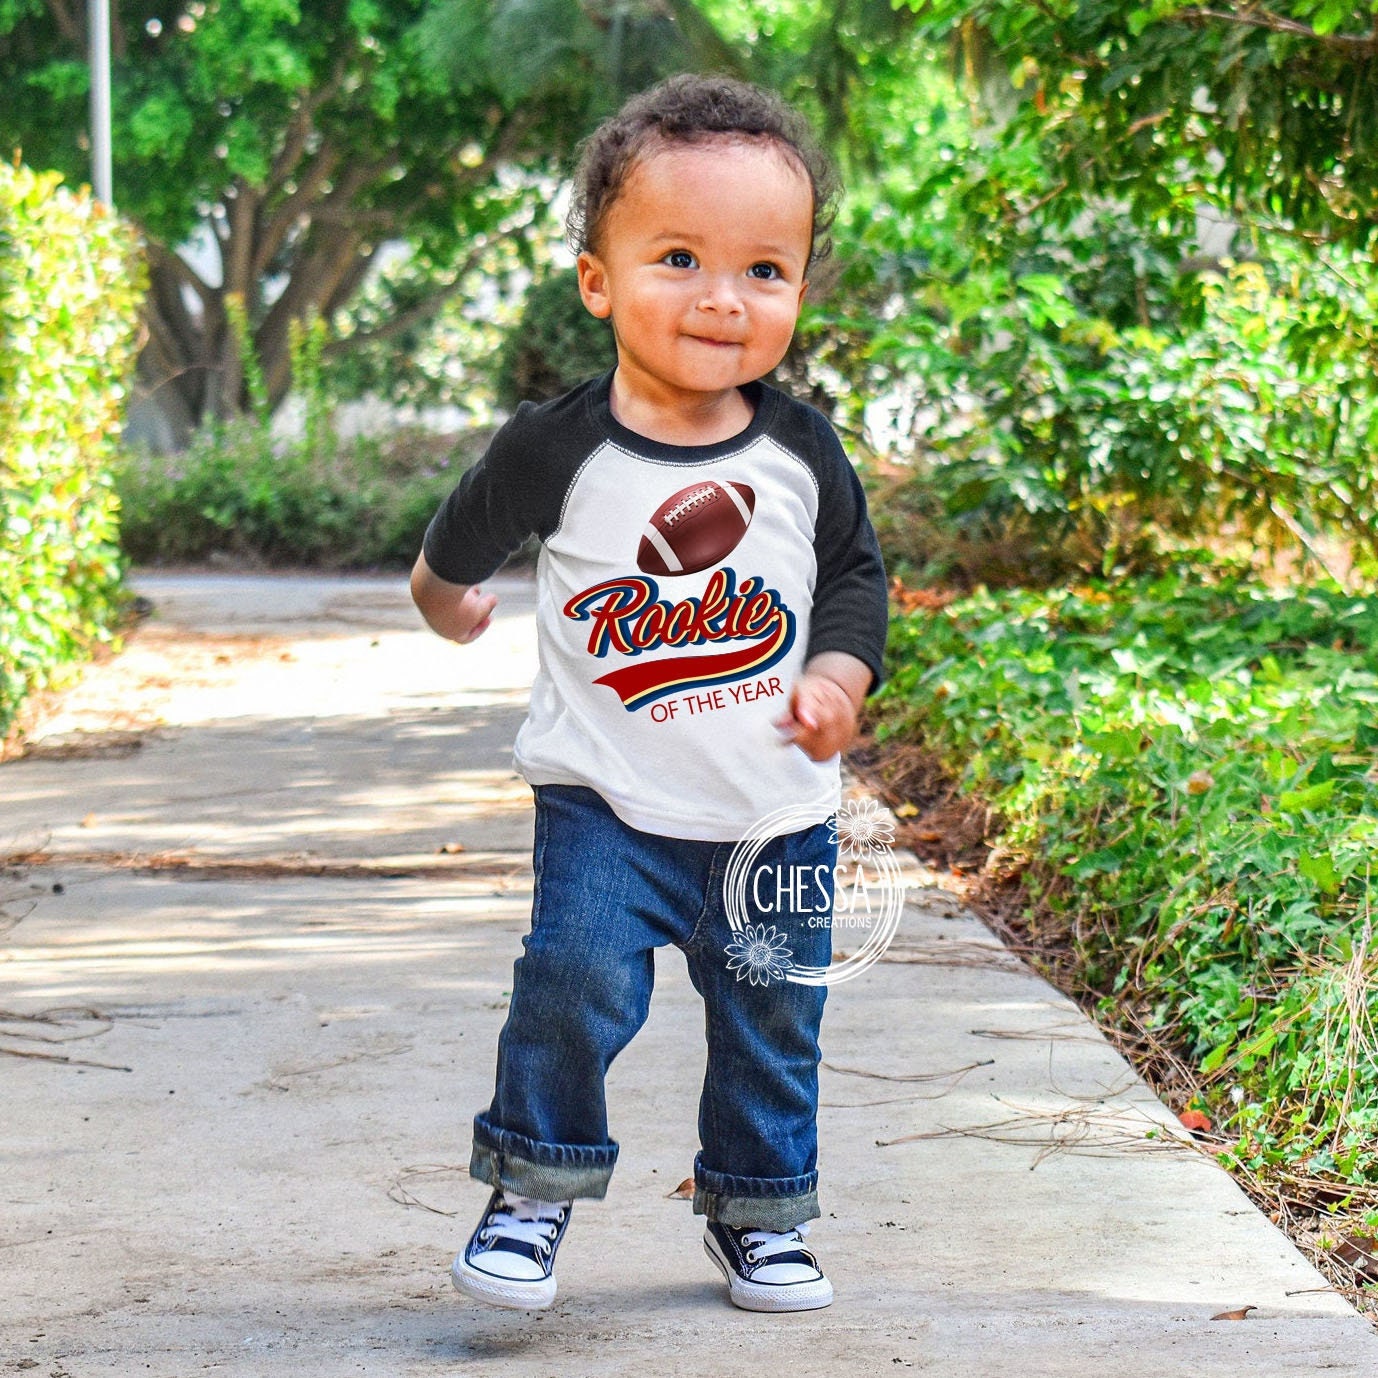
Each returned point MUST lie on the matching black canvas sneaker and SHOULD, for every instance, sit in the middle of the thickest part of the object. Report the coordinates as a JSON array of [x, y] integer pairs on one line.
[[768, 1271], [510, 1259]]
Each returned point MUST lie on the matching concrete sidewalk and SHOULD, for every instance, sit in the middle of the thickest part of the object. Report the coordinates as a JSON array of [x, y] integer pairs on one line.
[[277, 876]]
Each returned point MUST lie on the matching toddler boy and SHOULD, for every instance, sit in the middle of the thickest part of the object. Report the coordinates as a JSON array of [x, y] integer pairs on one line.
[[711, 611]]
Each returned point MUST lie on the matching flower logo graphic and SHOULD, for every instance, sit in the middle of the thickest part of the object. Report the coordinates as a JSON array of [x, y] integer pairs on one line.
[[759, 954], [759, 885], [862, 830]]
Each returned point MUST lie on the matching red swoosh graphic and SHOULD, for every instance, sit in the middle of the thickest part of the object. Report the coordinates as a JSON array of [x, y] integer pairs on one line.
[[636, 684]]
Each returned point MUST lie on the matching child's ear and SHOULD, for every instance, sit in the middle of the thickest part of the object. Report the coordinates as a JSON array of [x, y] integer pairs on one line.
[[593, 285]]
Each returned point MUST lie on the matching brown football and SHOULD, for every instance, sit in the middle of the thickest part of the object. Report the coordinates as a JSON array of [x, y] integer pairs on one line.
[[695, 527]]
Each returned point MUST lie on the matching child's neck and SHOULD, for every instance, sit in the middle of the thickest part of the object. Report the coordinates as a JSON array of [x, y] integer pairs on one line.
[[700, 419]]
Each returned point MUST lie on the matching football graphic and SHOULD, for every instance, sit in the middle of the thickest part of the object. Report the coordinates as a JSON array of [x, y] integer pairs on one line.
[[695, 528]]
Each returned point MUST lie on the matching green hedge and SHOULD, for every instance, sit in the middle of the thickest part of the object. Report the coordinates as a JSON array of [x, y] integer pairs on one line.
[[238, 492], [1189, 772], [69, 291]]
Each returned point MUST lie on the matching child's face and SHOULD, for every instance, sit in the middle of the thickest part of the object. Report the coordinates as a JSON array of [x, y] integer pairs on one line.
[[700, 264]]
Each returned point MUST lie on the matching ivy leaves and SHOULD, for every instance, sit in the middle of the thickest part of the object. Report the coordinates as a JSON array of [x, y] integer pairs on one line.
[[1196, 768]]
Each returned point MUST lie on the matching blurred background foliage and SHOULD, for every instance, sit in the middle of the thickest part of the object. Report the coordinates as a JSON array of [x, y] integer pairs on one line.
[[1102, 297]]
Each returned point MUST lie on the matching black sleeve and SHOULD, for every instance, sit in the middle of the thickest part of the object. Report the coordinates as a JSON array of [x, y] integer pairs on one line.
[[851, 598], [485, 518]]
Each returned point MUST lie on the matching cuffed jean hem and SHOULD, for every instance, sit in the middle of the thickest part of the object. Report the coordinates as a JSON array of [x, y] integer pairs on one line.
[[763, 1203], [548, 1172]]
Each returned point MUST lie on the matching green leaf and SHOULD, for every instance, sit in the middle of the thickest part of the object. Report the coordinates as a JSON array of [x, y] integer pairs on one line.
[[1297, 801], [1215, 1057], [1330, 16], [1319, 868]]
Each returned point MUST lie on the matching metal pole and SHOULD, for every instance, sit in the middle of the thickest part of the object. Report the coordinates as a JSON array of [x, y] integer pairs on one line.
[[98, 13]]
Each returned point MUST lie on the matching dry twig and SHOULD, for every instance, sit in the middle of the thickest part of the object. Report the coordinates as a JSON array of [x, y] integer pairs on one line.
[[400, 1193]]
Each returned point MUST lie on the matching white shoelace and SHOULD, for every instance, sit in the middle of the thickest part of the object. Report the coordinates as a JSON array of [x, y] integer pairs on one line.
[[766, 1244], [527, 1219]]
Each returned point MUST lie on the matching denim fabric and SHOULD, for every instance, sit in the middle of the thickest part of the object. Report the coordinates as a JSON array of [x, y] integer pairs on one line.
[[605, 897]]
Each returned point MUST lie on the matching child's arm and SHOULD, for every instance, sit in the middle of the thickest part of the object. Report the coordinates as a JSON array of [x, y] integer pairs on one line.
[[849, 617], [824, 703], [458, 612]]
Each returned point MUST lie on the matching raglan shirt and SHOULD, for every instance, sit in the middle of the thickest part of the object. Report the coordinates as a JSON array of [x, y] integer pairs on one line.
[[661, 677]]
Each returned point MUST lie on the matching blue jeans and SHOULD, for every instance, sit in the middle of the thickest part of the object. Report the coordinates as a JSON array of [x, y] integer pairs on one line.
[[605, 897]]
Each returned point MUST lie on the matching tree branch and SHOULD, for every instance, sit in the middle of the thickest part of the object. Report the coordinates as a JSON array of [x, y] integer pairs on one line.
[[1363, 45], [177, 351], [164, 363], [313, 282], [168, 316], [299, 130], [430, 307], [504, 140], [704, 39], [1017, 212], [285, 214], [67, 23], [1291, 523], [119, 45], [1144, 122], [338, 208], [164, 260], [346, 287], [243, 213]]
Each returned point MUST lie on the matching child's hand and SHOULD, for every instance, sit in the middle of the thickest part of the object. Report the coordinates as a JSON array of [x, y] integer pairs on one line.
[[472, 615], [823, 704], [458, 612]]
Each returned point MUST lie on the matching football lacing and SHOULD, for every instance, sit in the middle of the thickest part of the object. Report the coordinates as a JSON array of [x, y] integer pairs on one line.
[[687, 504]]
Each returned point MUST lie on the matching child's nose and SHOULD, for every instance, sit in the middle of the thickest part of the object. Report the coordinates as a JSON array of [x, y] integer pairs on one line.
[[720, 295]]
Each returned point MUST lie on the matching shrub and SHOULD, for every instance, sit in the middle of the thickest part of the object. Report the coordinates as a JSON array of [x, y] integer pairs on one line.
[[1188, 772], [554, 345], [1055, 382], [324, 502], [69, 293]]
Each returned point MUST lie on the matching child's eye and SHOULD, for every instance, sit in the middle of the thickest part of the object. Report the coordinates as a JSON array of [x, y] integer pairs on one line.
[[679, 258], [764, 271]]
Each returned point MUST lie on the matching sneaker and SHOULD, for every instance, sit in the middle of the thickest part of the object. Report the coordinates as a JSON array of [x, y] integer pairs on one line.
[[767, 1271], [509, 1261]]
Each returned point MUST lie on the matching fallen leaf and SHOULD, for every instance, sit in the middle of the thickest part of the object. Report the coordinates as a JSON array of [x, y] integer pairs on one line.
[[912, 600], [1360, 1251], [1239, 1314], [683, 1192], [906, 810], [1196, 1121], [89, 821], [1199, 781]]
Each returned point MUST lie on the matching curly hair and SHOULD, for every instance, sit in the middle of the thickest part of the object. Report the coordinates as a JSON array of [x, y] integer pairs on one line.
[[688, 109]]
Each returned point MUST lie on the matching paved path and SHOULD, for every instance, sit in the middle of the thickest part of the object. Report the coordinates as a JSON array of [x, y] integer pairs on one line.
[[274, 941]]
